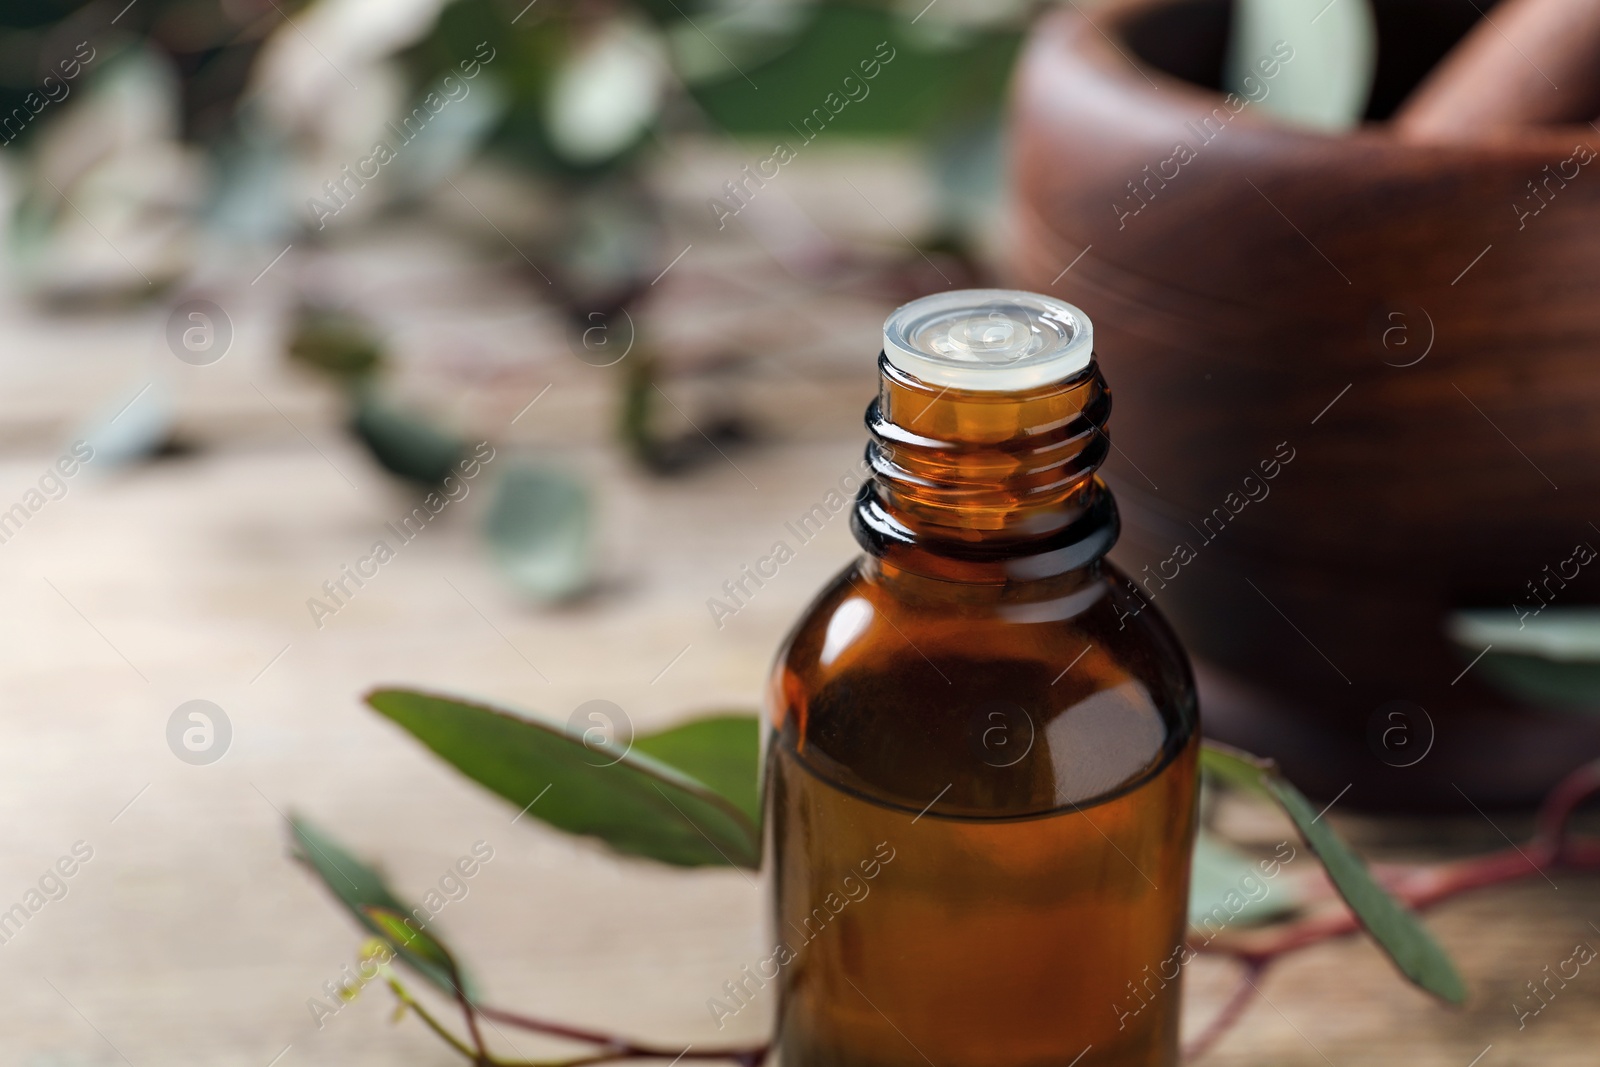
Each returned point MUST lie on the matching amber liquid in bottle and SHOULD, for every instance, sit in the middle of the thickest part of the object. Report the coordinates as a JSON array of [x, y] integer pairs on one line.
[[981, 773]]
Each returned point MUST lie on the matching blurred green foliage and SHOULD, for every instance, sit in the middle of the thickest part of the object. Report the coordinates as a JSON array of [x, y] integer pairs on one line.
[[212, 44], [926, 89], [526, 55], [940, 79], [932, 85], [337, 343]]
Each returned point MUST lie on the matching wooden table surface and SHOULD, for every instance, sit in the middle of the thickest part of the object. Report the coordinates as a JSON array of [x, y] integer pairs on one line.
[[189, 938]]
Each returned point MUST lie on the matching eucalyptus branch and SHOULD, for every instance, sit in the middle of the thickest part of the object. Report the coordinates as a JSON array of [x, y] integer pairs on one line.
[[620, 1047], [1230, 1012], [483, 1058], [553, 1029], [1419, 886], [407, 1001], [615, 1049], [547, 752], [611, 1047]]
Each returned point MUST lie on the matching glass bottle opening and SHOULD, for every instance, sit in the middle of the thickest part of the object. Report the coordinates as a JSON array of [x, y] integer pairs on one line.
[[988, 340]]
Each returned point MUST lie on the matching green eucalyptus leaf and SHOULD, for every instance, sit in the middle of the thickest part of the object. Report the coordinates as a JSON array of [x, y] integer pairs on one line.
[[1217, 869], [134, 427], [919, 82], [1568, 634], [636, 422], [632, 801], [403, 932], [1331, 50], [539, 532], [336, 343], [1397, 930], [450, 140], [404, 443], [1548, 656], [721, 751], [361, 889], [719, 43], [606, 91], [1564, 685], [1235, 767]]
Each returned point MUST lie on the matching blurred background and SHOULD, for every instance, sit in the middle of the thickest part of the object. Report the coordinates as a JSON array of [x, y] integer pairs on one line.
[[272, 269]]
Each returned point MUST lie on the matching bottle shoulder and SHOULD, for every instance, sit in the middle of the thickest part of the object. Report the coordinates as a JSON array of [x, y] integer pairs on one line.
[[1022, 700]]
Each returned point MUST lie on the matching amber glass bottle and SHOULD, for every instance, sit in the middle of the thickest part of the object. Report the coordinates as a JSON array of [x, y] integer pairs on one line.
[[981, 773]]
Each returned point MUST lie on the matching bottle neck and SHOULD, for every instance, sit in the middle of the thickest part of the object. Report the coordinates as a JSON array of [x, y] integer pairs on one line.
[[985, 487]]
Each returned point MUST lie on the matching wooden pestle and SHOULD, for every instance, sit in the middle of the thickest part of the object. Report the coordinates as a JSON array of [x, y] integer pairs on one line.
[[1526, 62]]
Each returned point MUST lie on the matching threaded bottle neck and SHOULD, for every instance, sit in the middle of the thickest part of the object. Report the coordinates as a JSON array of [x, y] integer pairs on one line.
[[987, 486]]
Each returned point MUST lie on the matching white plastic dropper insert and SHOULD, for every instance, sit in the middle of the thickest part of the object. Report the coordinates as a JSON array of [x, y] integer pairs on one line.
[[988, 340]]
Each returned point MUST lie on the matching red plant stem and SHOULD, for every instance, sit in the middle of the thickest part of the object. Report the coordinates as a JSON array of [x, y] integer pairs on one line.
[[1229, 1013], [621, 1046], [1419, 886], [1556, 811], [571, 1033], [471, 1015]]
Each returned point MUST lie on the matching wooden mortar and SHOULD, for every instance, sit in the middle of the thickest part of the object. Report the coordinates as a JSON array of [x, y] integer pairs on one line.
[[1406, 318], [1531, 62]]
